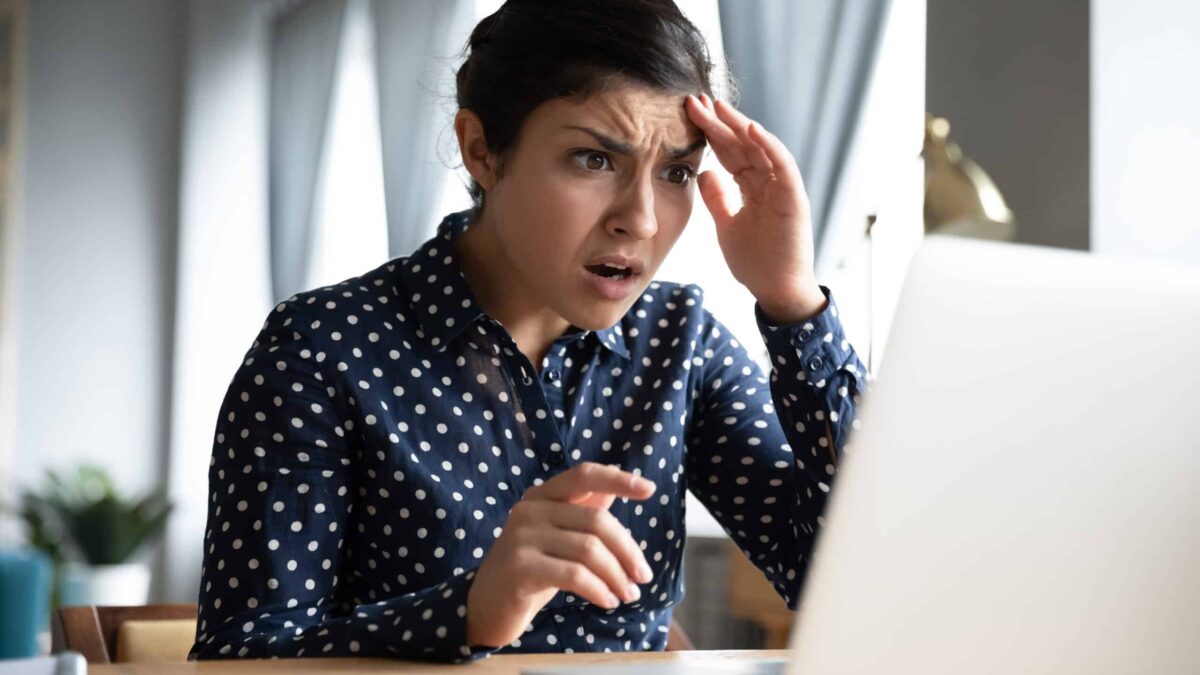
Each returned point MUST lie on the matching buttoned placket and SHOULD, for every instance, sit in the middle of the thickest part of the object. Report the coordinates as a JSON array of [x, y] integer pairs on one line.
[[539, 407]]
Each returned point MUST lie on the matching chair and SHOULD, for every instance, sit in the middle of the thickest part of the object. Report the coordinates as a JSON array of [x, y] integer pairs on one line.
[[753, 598], [103, 635], [149, 633], [677, 640]]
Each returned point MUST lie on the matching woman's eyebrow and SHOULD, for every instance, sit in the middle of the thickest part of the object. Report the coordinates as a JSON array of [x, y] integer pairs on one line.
[[613, 145]]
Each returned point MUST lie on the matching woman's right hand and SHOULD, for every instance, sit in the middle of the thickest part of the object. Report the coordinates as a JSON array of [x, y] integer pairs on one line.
[[559, 537]]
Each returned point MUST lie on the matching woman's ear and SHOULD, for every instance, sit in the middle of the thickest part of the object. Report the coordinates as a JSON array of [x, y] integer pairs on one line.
[[473, 146]]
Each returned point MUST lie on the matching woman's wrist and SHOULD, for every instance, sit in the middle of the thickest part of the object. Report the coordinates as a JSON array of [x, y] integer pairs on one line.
[[802, 305], [478, 634], [491, 624]]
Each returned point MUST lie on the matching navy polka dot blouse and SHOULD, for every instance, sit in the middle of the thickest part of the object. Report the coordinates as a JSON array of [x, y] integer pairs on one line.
[[378, 432]]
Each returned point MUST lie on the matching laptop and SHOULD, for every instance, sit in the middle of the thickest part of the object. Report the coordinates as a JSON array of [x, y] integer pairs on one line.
[[1023, 493]]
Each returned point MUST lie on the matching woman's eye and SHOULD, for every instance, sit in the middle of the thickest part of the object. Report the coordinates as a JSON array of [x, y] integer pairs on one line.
[[681, 174], [592, 160]]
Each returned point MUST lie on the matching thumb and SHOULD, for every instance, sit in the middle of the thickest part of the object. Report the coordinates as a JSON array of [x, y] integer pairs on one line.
[[716, 197]]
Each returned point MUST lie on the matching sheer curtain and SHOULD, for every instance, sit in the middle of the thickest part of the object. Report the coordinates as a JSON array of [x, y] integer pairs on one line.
[[305, 38], [416, 53], [223, 289], [387, 178], [803, 70], [349, 233]]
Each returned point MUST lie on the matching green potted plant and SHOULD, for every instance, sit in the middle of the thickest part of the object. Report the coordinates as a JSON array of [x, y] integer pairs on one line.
[[92, 534]]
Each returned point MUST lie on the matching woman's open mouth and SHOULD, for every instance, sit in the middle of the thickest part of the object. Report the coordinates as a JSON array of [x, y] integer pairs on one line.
[[610, 271], [616, 278]]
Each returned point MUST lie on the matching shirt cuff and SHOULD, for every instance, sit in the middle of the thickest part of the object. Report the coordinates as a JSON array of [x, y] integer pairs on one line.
[[457, 633], [817, 346]]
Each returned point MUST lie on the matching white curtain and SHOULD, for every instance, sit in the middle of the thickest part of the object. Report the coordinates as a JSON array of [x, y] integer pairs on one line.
[[304, 48], [416, 50], [803, 69], [224, 285]]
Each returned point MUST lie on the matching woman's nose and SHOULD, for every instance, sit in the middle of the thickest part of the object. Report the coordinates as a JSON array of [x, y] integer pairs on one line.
[[635, 216]]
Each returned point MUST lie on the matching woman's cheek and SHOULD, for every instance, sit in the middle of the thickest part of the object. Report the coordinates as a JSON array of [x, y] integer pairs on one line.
[[673, 213]]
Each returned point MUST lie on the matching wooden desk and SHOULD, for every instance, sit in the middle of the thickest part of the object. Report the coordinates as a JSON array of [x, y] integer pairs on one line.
[[506, 664]]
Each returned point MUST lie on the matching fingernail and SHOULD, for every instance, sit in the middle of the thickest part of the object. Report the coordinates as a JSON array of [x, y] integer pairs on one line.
[[635, 593], [644, 573], [613, 602]]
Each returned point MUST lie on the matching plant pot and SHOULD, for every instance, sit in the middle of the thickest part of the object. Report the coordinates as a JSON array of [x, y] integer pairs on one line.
[[123, 584]]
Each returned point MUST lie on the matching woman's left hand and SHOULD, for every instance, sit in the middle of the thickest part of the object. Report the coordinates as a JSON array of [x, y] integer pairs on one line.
[[768, 244]]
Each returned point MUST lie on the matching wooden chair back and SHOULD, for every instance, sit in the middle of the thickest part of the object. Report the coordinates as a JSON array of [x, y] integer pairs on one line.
[[677, 640], [92, 630]]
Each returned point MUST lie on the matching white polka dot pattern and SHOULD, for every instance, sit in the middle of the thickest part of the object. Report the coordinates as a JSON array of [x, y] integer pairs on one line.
[[378, 432]]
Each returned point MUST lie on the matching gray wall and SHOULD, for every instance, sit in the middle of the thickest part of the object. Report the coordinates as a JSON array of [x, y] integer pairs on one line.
[[1012, 78], [97, 277]]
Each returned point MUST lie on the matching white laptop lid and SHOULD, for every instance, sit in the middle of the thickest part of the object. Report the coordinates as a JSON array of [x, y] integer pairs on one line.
[[1023, 495]]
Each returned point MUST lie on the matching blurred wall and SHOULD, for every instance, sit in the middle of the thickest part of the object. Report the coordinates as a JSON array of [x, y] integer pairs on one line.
[[1013, 79], [1145, 128], [96, 284]]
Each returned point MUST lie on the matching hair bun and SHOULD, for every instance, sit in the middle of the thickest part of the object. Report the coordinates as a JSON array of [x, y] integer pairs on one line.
[[482, 33]]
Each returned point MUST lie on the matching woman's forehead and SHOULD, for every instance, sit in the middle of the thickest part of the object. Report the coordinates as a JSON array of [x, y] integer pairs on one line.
[[641, 119]]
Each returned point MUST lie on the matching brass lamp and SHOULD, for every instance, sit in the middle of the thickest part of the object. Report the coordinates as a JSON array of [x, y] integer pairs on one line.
[[960, 198]]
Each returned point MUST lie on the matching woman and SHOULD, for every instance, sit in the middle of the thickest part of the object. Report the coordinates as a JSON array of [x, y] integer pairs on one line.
[[485, 446]]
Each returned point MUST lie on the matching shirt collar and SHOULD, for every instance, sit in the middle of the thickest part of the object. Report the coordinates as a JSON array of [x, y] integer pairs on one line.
[[442, 300], [613, 339]]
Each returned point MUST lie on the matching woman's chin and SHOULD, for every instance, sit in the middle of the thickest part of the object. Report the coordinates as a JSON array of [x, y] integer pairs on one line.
[[599, 306], [599, 315]]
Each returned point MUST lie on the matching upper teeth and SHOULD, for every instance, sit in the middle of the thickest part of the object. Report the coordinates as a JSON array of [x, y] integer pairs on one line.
[[615, 267]]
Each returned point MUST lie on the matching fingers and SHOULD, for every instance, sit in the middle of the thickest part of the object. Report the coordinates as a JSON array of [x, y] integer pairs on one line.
[[567, 519], [604, 526], [785, 169], [723, 140], [716, 198], [571, 576], [590, 551], [740, 124], [580, 482], [741, 143]]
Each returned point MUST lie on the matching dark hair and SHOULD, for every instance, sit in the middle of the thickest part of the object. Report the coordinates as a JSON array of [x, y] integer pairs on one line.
[[531, 51]]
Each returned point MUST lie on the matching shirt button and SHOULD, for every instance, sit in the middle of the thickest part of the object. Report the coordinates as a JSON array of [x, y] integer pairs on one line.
[[804, 335], [557, 459], [815, 363], [553, 375]]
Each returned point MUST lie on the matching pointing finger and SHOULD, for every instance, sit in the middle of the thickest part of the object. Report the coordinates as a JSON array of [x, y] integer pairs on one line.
[[588, 478]]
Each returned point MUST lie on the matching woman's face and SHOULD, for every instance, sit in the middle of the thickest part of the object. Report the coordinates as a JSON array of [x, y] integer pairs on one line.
[[610, 179]]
